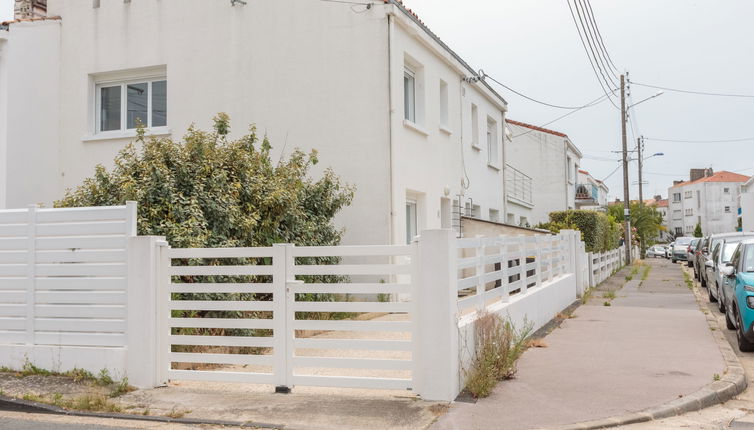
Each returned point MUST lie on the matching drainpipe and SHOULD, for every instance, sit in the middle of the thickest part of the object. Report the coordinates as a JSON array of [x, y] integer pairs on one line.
[[390, 127]]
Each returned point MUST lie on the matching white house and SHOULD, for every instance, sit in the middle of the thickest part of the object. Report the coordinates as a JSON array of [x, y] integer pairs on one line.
[[389, 106], [746, 205], [591, 193], [550, 161], [710, 200]]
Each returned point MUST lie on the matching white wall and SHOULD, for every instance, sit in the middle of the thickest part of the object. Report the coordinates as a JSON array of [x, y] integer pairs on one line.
[[311, 75], [32, 122], [706, 204], [542, 156], [3, 116]]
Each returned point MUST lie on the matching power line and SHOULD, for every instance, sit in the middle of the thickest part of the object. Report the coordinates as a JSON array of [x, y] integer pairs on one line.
[[590, 34], [591, 62], [592, 103], [485, 76], [599, 36], [597, 59], [612, 173], [703, 93], [743, 139]]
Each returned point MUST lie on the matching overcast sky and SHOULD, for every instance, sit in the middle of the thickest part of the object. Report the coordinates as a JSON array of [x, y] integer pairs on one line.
[[532, 46]]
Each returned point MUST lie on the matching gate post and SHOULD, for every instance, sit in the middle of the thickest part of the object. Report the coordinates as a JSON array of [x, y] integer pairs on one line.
[[282, 269], [435, 318], [147, 297]]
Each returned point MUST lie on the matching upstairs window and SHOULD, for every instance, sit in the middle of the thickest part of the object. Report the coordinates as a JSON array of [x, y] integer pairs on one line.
[[122, 106], [492, 146], [409, 94], [444, 104]]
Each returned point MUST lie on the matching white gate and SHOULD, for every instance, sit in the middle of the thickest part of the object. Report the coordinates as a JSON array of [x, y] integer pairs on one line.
[[285, 315]]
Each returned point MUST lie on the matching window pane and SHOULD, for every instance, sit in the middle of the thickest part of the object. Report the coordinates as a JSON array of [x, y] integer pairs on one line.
[[159, 103], [410, 221], [109, 108], [409, 98], [136, 104]]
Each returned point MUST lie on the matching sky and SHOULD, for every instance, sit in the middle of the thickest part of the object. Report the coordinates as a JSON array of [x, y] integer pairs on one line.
[[533, 47]]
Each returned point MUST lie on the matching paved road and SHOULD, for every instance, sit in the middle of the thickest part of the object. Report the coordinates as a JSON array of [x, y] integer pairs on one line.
[[649, 347], [29, 421]]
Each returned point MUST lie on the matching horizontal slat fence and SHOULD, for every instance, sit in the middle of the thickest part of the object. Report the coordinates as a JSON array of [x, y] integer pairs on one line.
[[494, 269], [63, 275], [287, 315]]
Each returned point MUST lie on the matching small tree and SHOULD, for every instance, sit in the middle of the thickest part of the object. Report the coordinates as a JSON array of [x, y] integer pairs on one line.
[[209, 191], [698, 230]]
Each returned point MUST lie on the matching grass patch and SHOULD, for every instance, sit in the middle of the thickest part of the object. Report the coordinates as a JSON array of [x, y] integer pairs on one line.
[[121, 388], [30, 369], [715, 377], [610, 295], [498, 345], [586, 296], [629, 277], [92, 402], [645, 274], [177, 413], [607, 303], [687, 279]]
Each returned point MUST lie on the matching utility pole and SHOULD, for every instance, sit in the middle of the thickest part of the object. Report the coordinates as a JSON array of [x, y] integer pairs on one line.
[[626, 203], [640, 149]]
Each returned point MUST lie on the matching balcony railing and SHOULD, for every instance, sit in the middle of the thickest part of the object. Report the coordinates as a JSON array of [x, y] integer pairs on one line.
[[587, 192], [519, 186]]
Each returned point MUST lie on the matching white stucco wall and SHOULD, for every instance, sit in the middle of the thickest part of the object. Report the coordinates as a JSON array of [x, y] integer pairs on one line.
[[32, 123], [310, 75], [543, 156], [706, 205], [3, 116]]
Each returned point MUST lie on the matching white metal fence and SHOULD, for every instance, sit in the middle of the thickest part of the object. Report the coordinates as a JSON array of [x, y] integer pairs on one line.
[[63, 281], [78, 288], [249, 313], [603, 265]]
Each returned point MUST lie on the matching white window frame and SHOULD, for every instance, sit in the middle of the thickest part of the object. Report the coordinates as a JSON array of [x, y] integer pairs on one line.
[[124, 103], [475, 127], [493, 151], [444, 107], [727, 209], [412, 219], [409, 104]]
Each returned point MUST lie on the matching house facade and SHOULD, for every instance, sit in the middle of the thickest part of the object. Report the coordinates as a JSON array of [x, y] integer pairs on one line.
[[591, 193], [711, 200], [551, 162], [388, 106]]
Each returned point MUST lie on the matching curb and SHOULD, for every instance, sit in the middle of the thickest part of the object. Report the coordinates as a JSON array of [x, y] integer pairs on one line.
[[20, 405], [731, 383]]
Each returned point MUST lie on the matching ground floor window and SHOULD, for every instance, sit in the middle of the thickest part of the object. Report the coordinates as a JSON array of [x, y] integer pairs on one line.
[[411, 221]]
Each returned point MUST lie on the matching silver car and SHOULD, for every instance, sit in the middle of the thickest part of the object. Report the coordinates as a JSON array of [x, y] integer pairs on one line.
[[723, 247], [680, 249], [656, 251]]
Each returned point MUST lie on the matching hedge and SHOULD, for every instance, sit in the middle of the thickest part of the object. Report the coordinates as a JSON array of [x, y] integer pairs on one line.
[[599, 232]]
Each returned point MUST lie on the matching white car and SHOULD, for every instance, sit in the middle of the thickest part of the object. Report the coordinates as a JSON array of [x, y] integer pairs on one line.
[[656, 251]]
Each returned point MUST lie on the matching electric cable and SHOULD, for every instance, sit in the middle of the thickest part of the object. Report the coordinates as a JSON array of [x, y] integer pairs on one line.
[[599, 36], [702, 93], [483, 75], [590, 37]]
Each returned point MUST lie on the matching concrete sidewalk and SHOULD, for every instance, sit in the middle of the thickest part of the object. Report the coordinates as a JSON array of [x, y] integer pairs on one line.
[[650, 346]]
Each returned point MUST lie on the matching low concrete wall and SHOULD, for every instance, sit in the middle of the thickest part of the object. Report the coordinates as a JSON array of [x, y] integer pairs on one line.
[[64, 358], [472, 227], [537, 307]]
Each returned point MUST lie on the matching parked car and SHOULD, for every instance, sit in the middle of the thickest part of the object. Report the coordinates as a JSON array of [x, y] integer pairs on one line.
[[700, 254], [680, 249], [725, 245], [669, 250], [656, 251], [707, 265], [690, 252], [739, 294]]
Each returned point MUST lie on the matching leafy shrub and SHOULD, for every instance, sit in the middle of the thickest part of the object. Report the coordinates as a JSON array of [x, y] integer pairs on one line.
[[599, 232]]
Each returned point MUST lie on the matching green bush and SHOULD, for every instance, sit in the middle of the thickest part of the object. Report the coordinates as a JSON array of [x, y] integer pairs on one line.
[[599, 232]]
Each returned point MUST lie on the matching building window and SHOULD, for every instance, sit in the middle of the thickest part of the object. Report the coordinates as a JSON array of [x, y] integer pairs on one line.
[[676, 197], [689, 212], [474, 126], [123, 106], [444, 104], [688, 195], [411, 221], [678, 231], [698, 199], [494, 215], [409, 94], [492, 144], [726, 190], [727, 209]]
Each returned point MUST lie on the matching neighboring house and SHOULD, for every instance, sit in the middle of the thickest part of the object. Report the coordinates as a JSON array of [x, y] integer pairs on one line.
[[389, 106], [591, 194], [746, 205], [551, 162], [711, 199]]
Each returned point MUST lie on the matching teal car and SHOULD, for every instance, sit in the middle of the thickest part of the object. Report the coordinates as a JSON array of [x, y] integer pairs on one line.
[[738, 283]]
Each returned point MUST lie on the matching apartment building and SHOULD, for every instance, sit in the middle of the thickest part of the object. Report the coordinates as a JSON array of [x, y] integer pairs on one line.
[[709, 199]]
